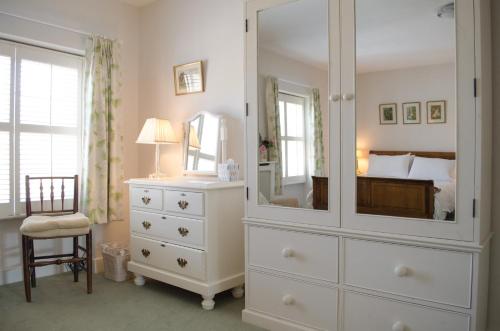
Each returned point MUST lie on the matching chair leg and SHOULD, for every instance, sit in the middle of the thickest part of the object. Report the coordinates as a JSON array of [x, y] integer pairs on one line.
[[26, 275], [75, 255], [31, 250], [89, 261]]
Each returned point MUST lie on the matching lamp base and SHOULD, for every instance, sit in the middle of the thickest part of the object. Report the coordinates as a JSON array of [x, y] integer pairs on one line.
[[158, 175]]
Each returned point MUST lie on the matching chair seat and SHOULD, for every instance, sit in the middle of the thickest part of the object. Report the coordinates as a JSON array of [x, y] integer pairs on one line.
[[41, 226]]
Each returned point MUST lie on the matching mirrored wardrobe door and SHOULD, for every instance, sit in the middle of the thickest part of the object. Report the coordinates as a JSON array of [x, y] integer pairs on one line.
[[293, 122], [408, 117]]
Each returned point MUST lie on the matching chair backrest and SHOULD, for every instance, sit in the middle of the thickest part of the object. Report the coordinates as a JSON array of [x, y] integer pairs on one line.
[[54, 201]]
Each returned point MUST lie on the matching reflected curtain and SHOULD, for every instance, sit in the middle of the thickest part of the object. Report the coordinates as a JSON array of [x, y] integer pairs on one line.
[[102, 188], [319, 154], [274, 131]]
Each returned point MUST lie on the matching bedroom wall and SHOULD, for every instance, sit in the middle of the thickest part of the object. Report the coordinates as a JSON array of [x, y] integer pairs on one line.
[[105, 17], [176, 32], [422, 84]]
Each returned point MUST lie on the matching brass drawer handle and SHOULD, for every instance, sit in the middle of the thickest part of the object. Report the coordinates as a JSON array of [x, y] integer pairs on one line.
[[182, 262], [145, 252], [146, 225], [183, 204], [146, 200], [183, 231]]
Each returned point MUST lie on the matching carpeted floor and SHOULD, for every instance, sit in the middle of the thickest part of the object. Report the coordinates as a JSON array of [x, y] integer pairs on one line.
[[59, 304]]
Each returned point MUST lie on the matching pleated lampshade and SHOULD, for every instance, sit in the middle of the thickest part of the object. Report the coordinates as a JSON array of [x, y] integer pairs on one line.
[[157, 131]]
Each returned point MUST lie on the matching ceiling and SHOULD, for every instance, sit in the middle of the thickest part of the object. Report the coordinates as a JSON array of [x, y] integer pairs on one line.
[[138, 3], [390, 34]]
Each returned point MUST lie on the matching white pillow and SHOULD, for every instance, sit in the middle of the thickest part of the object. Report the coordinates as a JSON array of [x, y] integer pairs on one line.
[[389, 166], [432, 168]]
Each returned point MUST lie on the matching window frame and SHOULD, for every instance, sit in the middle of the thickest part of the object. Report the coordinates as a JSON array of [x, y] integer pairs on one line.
[[18, 51], [287, 97]]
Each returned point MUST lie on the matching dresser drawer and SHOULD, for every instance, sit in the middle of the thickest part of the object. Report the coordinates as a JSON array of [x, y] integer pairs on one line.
[[181, 230], [423, 273], [364, 312], [303, 254], [146, 198], [182, 260], [190, 203], [303, 303]]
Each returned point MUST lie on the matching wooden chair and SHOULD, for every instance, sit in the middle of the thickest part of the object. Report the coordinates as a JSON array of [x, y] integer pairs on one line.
[[57, 222]]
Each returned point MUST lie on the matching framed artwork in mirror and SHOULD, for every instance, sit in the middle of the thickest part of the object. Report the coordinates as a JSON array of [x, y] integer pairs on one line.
[[411, 113], [188, 78], [388, 113], [436, 112]]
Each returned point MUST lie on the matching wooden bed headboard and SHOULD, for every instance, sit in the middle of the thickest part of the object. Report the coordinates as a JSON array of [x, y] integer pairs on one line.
[[434, 155]]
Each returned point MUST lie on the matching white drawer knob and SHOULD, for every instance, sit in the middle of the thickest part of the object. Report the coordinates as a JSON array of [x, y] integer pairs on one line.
[[401, 271], [335, 97], [288, 300], [347, 96], [287, 252], [398, 326]]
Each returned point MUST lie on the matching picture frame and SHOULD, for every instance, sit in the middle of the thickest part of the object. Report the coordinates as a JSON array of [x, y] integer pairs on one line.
[[188, 78], [388, 113], [436, 112], [411, 113]]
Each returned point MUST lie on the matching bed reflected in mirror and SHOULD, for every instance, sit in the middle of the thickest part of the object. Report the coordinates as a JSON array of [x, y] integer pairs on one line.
[[293, 59], [406, 109]]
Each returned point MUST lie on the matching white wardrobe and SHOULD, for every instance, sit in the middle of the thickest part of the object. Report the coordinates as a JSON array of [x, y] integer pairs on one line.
[[380, 268]]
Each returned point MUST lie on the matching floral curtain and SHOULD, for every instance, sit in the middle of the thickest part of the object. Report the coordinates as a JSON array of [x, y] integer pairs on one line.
[[102, 188], [319, 155], [274, 131]]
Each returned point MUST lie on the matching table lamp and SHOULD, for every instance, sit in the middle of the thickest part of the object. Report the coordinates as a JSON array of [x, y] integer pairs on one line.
[[157, 131]]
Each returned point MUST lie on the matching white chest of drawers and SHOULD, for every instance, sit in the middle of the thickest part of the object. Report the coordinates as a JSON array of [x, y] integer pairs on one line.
[[188, 232]]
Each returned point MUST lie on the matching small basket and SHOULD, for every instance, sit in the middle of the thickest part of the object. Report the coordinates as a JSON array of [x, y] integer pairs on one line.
[[115, 258]]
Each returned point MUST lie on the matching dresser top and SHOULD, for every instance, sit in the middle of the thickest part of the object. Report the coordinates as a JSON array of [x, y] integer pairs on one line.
[[201, 183]]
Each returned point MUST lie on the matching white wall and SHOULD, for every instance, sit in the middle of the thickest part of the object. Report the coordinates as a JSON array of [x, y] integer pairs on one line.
[[109, 18], [420, 84], [176, 32]]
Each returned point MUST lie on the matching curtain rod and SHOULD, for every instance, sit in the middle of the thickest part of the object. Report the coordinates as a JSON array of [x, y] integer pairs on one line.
[[57, 26]]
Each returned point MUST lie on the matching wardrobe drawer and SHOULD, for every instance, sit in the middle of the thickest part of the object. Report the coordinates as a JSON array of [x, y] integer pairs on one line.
[[422, 273], [182, 260], [147, 198], [190, 203], [365, 312], [307, 304], [181, 230], [303, 254]]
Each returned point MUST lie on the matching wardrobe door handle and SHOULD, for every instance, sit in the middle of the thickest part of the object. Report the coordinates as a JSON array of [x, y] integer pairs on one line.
[[335, 97]]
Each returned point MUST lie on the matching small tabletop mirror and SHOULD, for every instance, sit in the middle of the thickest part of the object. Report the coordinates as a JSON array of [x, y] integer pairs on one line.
[[201, 144]]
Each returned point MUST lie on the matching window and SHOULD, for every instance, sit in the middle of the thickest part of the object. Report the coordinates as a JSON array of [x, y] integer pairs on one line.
[[40, 120], [292, 125]]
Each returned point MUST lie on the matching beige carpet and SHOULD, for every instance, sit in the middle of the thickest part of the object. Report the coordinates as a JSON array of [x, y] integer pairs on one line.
[[59, 304]]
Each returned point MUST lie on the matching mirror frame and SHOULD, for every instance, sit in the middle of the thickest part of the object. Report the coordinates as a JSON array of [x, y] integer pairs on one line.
[[185, 146]]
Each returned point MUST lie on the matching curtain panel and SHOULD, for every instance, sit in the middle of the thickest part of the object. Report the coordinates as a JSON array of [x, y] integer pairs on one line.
[[102, 182], [274, 131]]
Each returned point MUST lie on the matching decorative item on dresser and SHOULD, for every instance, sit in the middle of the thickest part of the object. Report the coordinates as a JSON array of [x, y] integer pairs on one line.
[[187, 232], [357, 265], [157, 131]]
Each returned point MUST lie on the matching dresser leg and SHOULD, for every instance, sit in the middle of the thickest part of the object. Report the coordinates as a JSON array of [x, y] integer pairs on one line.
[[208, 302], [238, 292], [139, 280]]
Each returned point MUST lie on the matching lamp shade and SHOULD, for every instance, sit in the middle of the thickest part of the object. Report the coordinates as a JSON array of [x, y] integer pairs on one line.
[[157, 131], [194, 142]]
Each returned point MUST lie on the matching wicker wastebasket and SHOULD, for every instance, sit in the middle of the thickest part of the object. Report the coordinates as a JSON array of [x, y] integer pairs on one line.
[[115, 257]]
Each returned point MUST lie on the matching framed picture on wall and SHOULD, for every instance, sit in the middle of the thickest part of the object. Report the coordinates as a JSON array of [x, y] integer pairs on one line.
[[411, 113], [188, 78], [388, 113], [436, 112]]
